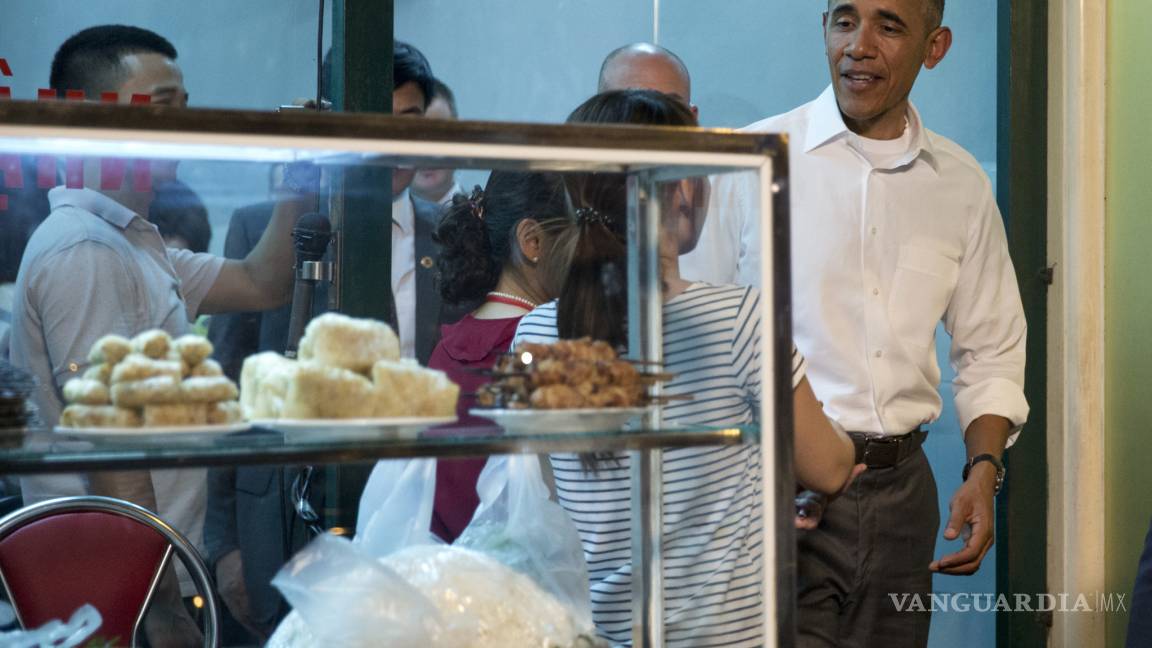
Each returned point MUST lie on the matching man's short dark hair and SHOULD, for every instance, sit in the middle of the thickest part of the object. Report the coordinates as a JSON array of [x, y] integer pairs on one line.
[[440, 90], [410, 66], [934, 9], [91, 60], [935, 13]]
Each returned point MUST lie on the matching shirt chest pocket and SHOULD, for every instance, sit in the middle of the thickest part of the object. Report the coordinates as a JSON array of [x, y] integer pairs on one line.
[[921, 289]]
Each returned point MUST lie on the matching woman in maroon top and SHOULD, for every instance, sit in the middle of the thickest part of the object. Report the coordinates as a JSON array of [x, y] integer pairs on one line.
[[492, 245]]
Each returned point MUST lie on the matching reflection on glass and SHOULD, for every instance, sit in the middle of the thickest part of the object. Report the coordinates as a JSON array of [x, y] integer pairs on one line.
[[497, 262]]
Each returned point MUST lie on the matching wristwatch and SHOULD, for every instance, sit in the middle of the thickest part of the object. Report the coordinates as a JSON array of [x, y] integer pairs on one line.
[[1000, 471]]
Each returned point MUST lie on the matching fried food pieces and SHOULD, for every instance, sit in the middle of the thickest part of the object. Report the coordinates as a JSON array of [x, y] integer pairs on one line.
[[404, 387], [150, 380], [109, 350], [336, 340], [568, 374], [85, 391], [317, 391], [348, 368], [264, 381], [99, 416], [150, 391]]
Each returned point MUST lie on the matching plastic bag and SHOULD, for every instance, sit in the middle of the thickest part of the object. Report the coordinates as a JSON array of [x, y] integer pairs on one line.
[[515, 577], [396, 506], [347, 597], [83, 623], [517, 524]]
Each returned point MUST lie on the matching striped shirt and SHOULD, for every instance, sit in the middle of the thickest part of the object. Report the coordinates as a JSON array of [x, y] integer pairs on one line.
[[712, 508]]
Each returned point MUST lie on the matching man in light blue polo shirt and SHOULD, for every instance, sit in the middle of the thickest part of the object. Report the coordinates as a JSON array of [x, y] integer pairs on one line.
[[96, 266]]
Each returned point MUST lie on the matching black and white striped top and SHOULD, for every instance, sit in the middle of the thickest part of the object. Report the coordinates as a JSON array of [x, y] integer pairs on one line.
[[712, 508]]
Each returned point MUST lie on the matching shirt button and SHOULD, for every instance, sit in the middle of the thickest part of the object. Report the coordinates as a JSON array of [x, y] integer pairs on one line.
[[875, 291], [879, 354], [873, 231]]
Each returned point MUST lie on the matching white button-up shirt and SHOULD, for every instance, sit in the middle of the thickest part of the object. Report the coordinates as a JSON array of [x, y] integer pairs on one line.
[[880, 255], [404, 271]]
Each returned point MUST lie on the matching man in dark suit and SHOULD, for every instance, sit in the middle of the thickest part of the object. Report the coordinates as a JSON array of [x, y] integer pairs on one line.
[[251, 526]]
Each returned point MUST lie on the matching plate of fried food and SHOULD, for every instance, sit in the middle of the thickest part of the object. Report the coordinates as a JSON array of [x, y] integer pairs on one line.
[[149, 385], [348, 377], [569, 386]]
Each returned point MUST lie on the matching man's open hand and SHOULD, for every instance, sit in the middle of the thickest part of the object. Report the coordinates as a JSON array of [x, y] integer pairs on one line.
[[973, 518]]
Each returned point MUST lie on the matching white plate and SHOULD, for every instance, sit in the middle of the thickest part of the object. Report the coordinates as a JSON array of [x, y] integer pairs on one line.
[[560, 421], [164, 430], [398, 425]]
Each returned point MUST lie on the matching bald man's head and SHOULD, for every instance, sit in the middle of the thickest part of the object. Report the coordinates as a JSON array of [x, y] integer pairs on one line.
[[648, 67]]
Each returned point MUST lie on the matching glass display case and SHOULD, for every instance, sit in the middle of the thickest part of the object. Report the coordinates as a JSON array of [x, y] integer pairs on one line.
[[83, 144]]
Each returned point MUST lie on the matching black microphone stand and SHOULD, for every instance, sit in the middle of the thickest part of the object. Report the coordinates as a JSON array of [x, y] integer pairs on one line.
[[311, 236]]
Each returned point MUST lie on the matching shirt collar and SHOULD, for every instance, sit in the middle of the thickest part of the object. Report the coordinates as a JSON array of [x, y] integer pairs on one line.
[[93, 202], [826, 123], [403, 214]]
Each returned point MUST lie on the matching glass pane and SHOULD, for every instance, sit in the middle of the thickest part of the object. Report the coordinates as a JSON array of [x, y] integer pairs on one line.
[[254, 55], [94, 266], [490, 53]]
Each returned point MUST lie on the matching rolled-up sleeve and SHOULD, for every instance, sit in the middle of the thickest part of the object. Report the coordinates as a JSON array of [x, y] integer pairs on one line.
[[197, 272], [989, 332]]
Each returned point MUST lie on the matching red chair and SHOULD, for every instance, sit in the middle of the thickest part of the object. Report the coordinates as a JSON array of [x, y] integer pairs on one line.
[[59, 554]]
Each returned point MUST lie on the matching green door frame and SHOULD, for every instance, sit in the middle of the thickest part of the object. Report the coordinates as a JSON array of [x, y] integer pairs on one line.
[[1022, 168], [361, 82]]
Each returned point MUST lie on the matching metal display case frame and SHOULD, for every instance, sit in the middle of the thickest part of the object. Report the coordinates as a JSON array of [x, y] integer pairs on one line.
[[648, 155]]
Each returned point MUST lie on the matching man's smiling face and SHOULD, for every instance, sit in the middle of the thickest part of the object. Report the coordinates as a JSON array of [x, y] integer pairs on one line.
[[875, 49]]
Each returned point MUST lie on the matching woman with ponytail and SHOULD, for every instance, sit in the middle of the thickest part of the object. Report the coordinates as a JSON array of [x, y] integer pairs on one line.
[[493, 245], [712, 496]]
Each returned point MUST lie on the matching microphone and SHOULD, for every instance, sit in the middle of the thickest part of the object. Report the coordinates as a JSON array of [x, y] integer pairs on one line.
[[311, 236]]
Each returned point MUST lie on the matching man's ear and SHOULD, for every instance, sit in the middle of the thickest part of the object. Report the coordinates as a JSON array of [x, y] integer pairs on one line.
[[939, 42]]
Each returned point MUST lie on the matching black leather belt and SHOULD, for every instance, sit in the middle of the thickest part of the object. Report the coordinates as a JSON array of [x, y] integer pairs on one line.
[[886, 452]]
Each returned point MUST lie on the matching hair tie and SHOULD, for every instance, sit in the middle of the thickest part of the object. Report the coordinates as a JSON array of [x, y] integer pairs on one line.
[[475, 201], [592, 216]]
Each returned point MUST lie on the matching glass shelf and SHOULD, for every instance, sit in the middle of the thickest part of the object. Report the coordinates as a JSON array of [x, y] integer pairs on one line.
[[48, 452]]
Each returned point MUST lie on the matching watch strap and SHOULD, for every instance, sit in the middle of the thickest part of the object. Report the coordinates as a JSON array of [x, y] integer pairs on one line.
[[992, 459]]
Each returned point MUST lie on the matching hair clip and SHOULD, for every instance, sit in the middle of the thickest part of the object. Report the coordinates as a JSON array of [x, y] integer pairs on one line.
[[592, 216], [476, 202]]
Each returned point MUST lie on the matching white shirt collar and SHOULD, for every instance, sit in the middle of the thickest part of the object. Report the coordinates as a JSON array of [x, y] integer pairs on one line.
[[826, 123], [403, 214], [94, 202]]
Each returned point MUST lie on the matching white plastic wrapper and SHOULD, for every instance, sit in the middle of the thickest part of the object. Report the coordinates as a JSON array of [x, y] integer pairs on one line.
[[516, 577], [83, 623]]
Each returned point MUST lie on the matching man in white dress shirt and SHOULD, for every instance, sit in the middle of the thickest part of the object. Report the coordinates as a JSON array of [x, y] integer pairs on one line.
[[894, 229]]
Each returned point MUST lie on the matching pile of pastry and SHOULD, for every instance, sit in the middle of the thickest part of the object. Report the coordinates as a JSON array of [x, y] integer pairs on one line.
[[150, 381], [347, 368], [568, 374]]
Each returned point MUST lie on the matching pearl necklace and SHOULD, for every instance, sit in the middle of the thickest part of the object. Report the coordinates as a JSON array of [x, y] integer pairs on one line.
[[511, 300]]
